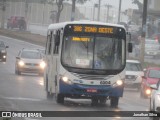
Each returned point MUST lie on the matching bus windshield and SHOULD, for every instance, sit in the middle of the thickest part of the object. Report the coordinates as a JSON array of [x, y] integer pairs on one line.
[[93, 52]]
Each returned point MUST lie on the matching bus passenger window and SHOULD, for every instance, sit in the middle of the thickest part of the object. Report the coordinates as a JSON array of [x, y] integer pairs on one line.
[[56, 41], [49, 45], [55, 48]]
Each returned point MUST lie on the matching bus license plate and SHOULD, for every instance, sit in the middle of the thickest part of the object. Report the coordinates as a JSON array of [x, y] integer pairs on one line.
[[92, 90]]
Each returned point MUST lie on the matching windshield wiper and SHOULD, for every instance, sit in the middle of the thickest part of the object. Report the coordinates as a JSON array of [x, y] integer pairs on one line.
[[85, 45]]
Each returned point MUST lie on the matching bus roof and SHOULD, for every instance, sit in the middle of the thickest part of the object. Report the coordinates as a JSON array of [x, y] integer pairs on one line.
[[63, 24]]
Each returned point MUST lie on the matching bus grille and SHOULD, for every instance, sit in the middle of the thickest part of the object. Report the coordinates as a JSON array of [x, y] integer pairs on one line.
[[92, 77]]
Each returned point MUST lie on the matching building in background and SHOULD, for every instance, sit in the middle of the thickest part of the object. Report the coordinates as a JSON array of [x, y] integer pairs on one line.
[[154, 4], [38, 13], [108, 13]]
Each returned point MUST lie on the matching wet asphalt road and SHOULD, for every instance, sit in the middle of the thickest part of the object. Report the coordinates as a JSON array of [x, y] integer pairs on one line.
[[26, 92]]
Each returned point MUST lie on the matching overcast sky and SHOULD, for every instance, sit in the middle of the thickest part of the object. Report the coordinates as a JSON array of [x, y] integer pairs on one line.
[[87, 9], [125, 3]]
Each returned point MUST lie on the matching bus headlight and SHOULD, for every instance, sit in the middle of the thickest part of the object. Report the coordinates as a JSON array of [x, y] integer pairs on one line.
[[118, 83], [66, 80], [21, 63], [42, 64]]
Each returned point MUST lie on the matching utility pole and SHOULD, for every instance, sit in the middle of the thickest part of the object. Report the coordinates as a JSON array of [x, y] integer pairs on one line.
[[73, 10], [26, 9], [99, 6], [44, 5], [93, 11], [3, 13], [145, 2], [95, 6], [119, 13], [108, 7]]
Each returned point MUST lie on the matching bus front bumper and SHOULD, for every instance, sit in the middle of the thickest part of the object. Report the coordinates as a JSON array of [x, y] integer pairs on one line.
[[88, 91]]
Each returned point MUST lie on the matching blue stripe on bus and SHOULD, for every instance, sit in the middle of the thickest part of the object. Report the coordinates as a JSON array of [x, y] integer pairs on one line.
[[79, 89]]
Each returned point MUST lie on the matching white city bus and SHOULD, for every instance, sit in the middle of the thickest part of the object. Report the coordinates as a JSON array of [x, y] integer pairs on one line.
[[85, 59]]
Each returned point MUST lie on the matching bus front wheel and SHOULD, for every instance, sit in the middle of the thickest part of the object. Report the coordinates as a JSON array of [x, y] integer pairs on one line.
[[114, 101], [102, 100], [60, 98], [49, 95], [94, 101]]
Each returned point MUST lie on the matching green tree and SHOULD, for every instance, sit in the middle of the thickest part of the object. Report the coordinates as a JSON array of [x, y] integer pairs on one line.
[[74, 6], [139, 4], [59, 4]]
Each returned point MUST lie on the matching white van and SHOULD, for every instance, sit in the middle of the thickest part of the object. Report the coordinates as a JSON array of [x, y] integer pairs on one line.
[[134, 73]]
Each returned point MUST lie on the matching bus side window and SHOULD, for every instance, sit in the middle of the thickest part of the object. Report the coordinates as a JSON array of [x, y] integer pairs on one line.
[[46, 48], [50, 44], [53, 43], [56, 38], [49, 41]]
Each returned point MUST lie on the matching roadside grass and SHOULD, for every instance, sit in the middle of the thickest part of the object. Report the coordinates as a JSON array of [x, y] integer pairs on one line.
[[24, 36]]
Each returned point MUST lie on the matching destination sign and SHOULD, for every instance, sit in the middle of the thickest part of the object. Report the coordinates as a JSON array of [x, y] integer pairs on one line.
[[84, 39], [93, 29]]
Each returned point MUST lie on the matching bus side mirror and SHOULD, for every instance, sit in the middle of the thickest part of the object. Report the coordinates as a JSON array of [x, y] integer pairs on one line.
[[130, 47], [153, 86], [57, 40]]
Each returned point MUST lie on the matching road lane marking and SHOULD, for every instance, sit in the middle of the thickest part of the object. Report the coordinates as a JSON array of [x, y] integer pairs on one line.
[[20, 98]]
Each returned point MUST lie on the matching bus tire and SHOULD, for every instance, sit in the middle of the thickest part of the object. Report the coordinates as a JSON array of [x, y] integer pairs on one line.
[[94, 101], [49, 95], [114, 101], [46, 83], [41, 74], [102, 100], [60, 98], [18, 72]]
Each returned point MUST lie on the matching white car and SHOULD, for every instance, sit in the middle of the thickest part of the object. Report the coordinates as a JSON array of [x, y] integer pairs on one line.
[[134, 73], [155, 97], [30, 61]]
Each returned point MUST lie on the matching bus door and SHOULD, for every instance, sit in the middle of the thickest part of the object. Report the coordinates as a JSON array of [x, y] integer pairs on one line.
[[50, 84], [52, 59], [55, 59]]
